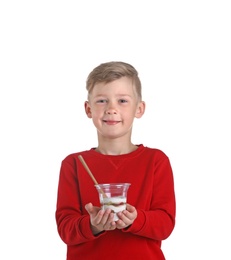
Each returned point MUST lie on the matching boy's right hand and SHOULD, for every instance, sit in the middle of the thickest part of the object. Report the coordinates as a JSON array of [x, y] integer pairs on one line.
[[100, 219]]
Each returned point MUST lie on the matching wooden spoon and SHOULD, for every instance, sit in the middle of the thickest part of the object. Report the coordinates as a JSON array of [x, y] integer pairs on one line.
[[90, 173]]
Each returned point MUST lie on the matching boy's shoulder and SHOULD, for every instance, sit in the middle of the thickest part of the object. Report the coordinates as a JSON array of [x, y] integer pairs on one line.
[[156, 151], [73, 156]]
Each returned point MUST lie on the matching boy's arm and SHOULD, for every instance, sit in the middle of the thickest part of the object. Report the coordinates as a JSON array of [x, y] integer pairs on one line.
[[158, 222], [73, 226]]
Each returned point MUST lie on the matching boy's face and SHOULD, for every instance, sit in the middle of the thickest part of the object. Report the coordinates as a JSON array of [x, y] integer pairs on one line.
[[113, 107]]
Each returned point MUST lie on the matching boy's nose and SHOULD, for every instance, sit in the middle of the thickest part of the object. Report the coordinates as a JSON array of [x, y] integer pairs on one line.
[[111, 111], [111, 108]]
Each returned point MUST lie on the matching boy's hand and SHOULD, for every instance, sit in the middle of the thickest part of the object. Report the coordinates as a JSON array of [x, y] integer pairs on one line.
[[100, 219], [126, 217]]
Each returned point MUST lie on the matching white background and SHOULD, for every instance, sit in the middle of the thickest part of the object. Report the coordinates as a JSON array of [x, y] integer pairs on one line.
[[182, 52]]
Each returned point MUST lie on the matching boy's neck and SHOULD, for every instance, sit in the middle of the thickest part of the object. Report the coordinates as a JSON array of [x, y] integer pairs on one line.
[[113, 148]]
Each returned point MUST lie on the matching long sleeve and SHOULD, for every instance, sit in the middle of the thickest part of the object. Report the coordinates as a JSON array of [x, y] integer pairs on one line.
[[158, 220], [73, 225]]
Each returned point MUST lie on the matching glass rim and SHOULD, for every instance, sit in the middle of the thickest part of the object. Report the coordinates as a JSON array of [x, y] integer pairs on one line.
[[113, 184]]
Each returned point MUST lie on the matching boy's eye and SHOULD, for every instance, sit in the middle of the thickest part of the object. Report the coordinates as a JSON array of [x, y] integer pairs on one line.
[[101, 101], [123, 101]]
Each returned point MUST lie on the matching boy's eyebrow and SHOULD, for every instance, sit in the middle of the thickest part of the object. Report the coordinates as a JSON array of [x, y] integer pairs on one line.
[[117, 95]]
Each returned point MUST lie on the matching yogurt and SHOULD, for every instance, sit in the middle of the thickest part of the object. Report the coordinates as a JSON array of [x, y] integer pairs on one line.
[[116, 204]]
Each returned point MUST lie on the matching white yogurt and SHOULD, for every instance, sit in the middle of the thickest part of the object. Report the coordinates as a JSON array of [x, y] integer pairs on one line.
[[116, 204]]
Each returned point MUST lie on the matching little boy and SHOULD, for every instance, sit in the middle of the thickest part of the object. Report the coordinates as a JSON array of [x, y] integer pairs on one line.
[[114, 101]]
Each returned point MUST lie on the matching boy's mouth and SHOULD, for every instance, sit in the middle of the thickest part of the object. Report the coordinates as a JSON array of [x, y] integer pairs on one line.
[[111, 122]]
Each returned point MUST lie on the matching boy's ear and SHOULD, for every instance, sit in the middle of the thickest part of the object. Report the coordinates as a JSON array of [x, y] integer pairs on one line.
[[87, 109], [140, 109]]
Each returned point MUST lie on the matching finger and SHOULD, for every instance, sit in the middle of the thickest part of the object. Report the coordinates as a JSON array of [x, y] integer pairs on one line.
[[107, 218], [110, 223], [98, 218], [124, 217], [130, 208], [101, 218], [89, 208]]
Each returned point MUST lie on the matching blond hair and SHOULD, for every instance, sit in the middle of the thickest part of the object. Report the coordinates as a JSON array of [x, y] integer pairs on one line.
[[110, 71]]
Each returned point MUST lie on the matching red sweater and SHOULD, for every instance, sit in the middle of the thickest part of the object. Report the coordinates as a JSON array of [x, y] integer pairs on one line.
[[151, 192]]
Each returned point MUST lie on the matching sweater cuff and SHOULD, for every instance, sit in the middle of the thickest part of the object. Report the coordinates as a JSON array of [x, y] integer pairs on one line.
[[85, 229], [138, 224]]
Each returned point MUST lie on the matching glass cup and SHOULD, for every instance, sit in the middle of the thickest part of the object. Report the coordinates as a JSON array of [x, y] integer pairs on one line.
[[113, 196]]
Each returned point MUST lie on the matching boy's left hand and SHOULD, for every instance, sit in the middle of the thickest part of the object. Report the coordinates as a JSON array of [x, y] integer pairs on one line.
[[126, 217]]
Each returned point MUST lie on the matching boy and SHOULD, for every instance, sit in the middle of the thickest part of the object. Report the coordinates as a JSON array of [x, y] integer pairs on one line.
[[114, 101]]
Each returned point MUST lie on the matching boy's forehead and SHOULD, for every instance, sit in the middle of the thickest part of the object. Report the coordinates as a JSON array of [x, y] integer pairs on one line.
[[125, 84], [113, 91]]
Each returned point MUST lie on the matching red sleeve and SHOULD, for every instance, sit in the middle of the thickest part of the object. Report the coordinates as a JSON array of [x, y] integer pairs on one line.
[[158, 222], [73, 225]]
